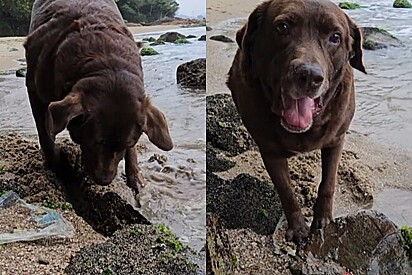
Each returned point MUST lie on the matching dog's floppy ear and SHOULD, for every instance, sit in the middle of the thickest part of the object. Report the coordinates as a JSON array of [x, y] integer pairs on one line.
[[155, 126], [65, 110], [245, 36], [356, 56]]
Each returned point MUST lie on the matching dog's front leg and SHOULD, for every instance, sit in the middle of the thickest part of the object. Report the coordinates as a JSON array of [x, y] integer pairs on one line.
[[324, 203], [279, 173], [46, 138], [134, 178]]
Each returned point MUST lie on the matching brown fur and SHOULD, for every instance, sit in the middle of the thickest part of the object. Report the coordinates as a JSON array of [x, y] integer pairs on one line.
[[266, 72], [84, 72]]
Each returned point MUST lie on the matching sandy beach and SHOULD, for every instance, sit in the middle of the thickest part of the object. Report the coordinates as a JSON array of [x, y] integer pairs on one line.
[[220, 56], [12, 50]]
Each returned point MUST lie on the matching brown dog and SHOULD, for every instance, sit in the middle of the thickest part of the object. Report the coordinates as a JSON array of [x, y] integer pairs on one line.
[[292, 83], [84, 72]]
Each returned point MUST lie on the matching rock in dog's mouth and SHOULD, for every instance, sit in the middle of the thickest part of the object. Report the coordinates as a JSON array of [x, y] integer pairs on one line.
[[298, 114]]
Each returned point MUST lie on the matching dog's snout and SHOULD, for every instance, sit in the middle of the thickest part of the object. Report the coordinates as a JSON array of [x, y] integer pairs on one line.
[[309, 75], [105, 180]]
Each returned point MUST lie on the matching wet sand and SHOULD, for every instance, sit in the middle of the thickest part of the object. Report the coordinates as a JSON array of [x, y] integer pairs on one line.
[[220, 55]]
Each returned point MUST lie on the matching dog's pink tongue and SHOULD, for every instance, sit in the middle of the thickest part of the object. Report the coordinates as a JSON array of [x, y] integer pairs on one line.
[[299, 112]]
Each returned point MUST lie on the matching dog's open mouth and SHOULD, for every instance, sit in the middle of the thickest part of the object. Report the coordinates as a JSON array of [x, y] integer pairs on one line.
[[298, 114]]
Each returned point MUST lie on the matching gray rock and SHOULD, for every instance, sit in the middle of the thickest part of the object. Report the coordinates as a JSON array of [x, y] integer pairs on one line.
[[364, 243], [202, 38], [222, 38], [192, 74]]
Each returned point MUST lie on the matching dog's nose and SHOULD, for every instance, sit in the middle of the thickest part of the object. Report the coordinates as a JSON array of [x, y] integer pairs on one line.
[[309, 75], [105, 180]]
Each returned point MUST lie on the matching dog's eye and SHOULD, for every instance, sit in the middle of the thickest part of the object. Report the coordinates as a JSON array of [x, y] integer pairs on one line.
[[282, 28], [335, 38]]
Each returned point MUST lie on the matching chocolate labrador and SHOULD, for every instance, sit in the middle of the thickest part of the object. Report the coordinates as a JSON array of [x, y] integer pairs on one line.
[[292, 83], [84, 73]]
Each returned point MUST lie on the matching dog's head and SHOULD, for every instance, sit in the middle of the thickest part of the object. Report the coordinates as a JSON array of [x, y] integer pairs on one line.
[[299, 50], [108, 122]]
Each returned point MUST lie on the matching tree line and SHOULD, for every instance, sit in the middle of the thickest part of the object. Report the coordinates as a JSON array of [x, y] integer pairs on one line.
[[15, 15]]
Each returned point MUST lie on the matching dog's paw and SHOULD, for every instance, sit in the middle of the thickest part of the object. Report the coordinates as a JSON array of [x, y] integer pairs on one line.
[[320, 222], [297, 232], [135, 181], [59, 164]]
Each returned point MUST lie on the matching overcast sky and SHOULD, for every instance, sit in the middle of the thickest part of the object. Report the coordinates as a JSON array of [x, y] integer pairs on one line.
[[192, 7]]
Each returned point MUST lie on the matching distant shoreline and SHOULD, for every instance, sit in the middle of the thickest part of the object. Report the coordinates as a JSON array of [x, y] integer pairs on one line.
[[12, 54]]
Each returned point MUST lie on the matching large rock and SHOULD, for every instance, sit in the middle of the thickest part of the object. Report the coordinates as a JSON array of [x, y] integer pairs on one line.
[[171, 37], [365, 243], [192, 74], [376, 38], [137, 249], [244, 202], [224, 127]]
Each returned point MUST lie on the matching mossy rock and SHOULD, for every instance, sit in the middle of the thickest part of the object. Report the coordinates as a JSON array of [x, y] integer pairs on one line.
[[148, 51], [21, 72], [402, 4], [406, 232], [349, 5], [158, 42], [149, 39], [181, 41], [378, 38], [137, 249]]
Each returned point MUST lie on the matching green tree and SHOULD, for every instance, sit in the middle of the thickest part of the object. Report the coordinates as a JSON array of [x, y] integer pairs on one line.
[[15, 16], [146, 11]]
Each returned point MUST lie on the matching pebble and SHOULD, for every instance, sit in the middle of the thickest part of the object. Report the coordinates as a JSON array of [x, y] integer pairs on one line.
[[43, 261]]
